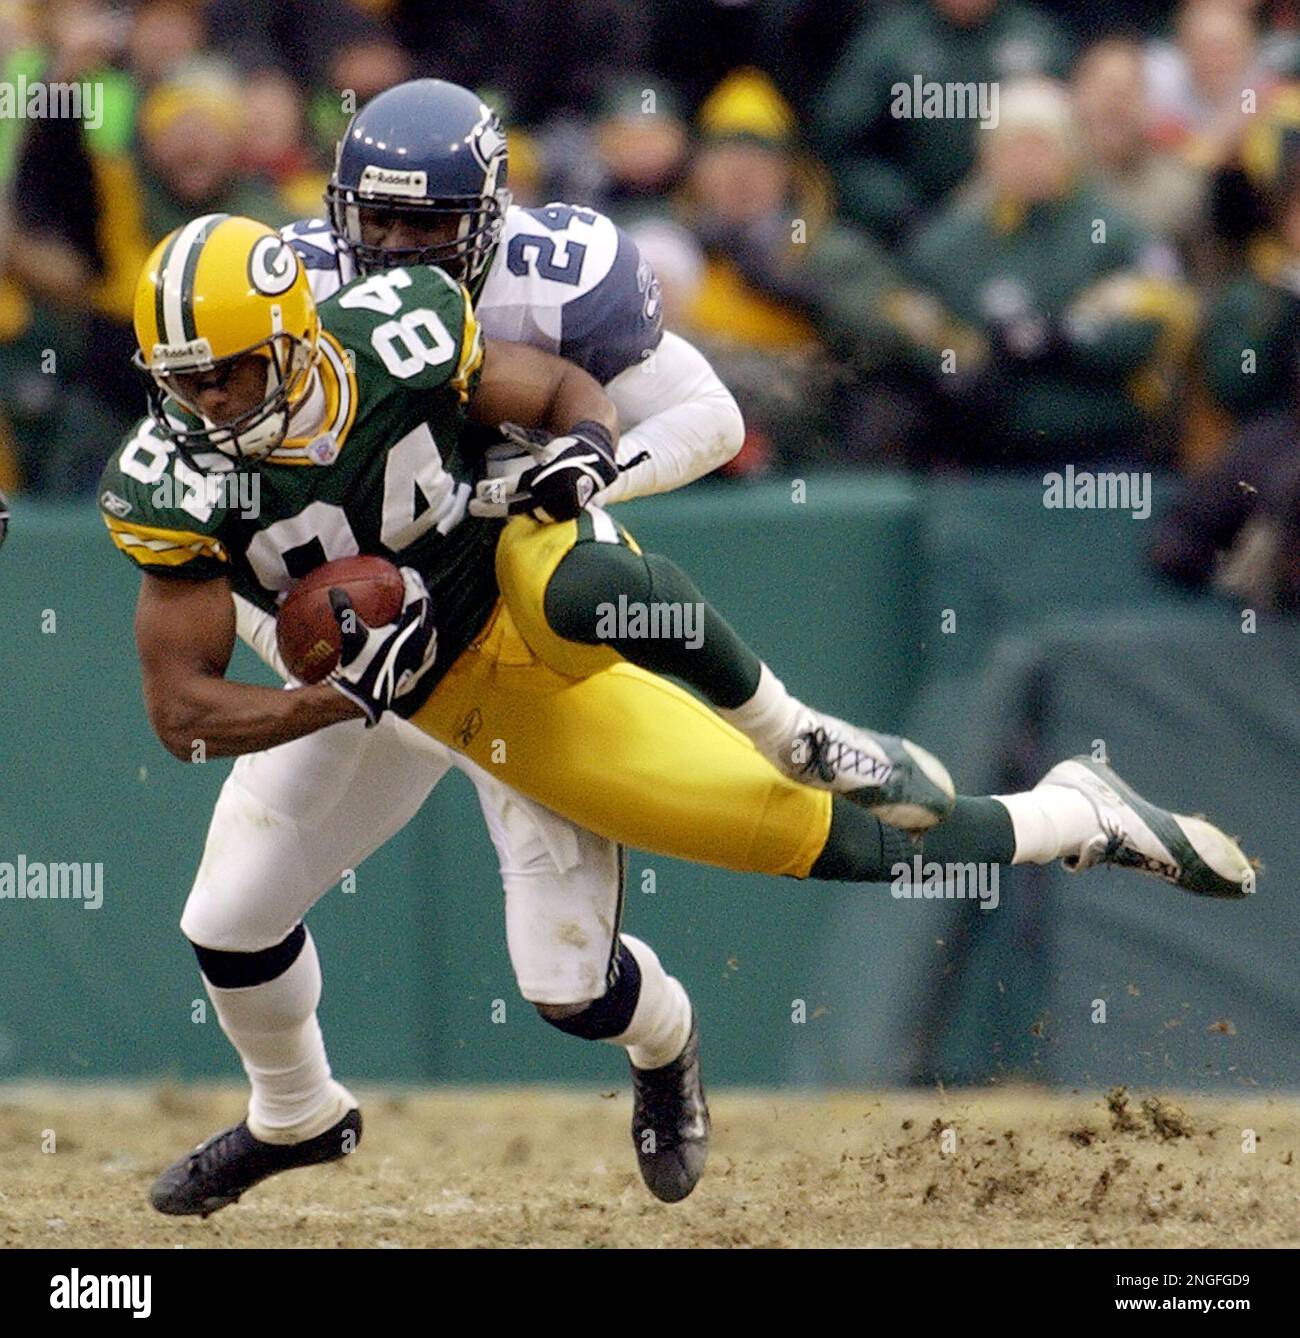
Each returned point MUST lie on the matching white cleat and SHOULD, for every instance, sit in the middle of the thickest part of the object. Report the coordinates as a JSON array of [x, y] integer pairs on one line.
[[893, 778], [1191, 853]]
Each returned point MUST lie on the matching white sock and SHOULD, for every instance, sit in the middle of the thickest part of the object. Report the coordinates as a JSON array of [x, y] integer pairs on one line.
[[1049, 821], [662, 1020], [769, 717], [274, 1028]]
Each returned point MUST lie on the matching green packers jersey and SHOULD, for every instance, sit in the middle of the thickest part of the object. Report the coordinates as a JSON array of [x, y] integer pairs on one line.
[[386, 472]]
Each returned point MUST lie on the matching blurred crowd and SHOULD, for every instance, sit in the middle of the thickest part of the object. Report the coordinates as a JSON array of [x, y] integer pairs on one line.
[[938, 234]]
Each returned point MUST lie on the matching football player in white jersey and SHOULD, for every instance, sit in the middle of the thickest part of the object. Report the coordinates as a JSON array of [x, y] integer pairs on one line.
[[420, 178]]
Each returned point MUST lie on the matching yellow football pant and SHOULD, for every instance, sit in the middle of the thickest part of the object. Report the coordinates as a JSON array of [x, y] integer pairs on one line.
[[619, 751]]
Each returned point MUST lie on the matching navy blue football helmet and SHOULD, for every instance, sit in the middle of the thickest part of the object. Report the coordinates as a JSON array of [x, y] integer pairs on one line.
[[426, 150]]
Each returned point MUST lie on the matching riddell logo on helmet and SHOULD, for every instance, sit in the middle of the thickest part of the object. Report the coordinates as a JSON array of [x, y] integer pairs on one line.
[[193, 353], [389, 181]]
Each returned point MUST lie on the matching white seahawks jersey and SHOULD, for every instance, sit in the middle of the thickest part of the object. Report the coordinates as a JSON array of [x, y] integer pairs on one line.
[[564, 279]]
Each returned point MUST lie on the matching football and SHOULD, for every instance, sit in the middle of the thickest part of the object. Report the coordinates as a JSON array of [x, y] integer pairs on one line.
[[306, 630]]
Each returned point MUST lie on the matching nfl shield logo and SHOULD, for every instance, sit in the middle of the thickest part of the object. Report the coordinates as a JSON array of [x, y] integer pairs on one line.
[[324, 450]]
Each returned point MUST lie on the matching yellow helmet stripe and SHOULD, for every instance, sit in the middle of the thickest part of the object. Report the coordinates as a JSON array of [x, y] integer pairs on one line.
[[177, 275]]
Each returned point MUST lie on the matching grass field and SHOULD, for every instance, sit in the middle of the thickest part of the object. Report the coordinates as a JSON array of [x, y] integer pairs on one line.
[[540, 1167]]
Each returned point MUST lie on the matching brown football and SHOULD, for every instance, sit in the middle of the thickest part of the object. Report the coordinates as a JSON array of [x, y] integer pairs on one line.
[[306, 629]]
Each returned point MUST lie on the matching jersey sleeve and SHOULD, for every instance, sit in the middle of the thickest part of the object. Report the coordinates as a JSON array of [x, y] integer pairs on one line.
[[164, 515], [317, 248], [618, 322], [412, 327]]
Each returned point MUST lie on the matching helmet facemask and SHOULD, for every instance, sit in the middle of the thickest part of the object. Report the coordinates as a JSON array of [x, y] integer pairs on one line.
[[464, 257], [253, 434]]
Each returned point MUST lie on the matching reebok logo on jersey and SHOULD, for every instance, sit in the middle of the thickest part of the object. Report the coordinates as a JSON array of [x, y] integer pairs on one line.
[[113, 504], [469, 727]]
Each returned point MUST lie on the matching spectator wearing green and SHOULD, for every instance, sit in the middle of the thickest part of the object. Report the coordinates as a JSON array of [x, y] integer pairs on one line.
[[892, 159], [46, 408], [1155, 187], [90, 216], [1082, 324], [804, 315]]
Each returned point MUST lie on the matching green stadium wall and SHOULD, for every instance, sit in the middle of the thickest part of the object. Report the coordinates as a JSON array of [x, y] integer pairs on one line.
[[843, 585]]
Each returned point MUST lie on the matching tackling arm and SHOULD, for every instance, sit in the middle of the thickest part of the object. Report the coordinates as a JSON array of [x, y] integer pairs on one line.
[[185, 633], [678, 414], [522, 384]]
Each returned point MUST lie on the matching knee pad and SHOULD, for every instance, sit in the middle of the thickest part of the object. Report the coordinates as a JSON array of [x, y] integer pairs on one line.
[[239, 970], [611, 1014]]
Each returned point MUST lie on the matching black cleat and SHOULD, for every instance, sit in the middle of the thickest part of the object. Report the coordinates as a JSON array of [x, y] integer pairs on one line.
[[670, 1123], [217, 1172]]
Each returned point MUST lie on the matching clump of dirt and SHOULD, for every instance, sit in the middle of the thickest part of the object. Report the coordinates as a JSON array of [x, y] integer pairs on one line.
[[1122, 1119], [1154, 1116], [1167, 1121], [1012, 1185], [1104, 1181]]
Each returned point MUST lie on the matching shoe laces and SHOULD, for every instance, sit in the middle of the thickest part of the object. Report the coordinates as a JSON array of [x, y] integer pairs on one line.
[[819, 746], [829, 755]]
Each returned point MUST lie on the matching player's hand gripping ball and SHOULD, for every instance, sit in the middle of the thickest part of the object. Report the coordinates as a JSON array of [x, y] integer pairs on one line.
[[307, 630]]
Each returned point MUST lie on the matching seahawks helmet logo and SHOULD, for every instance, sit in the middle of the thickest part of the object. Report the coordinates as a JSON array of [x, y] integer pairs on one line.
[[487, 141], [272, 266]]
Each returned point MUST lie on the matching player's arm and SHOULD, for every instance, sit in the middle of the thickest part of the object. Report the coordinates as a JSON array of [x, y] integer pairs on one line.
[[522, 384], [562, 424], [680, 422], [185, 633]]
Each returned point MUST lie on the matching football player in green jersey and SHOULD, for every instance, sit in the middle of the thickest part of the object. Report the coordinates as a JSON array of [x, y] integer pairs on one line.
[[355, 435]]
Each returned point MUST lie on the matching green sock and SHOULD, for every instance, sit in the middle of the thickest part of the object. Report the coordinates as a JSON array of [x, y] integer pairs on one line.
[[862, 849], [977, 830], [600, 591]]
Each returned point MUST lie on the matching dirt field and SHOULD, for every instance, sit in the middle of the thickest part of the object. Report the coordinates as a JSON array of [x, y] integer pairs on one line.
[[533, 1167]]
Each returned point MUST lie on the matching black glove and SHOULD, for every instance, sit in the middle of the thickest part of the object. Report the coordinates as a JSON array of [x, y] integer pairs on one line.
[[380, 664], [569, 471]]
